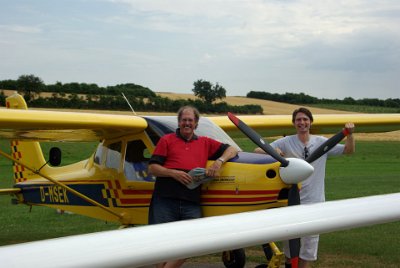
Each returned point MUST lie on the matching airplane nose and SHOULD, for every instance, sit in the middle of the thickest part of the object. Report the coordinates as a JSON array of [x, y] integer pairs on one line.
[[297, 171]]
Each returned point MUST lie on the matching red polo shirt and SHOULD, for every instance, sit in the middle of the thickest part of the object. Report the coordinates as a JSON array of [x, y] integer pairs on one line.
[[186, 155], [173, 151]]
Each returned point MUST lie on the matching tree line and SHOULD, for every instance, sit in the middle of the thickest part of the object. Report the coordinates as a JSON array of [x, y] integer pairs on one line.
[[301, 98], [92, 96]]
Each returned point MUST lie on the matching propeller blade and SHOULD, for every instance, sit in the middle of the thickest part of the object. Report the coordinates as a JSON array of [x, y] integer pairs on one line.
[[257, 139], [292, 170], [326, 146]]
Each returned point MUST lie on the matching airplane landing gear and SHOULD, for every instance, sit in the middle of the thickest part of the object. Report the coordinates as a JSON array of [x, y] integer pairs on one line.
[[274, 256], [234, 258], [237, 258]]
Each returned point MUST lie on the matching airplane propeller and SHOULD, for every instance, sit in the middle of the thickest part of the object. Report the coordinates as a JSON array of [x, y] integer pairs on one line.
[[292, 170]]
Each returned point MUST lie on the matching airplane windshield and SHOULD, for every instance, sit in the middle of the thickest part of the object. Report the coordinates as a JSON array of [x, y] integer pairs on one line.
[[167, 124]]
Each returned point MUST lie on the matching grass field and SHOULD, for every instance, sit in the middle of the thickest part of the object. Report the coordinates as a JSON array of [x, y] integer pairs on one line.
[[374, 169]]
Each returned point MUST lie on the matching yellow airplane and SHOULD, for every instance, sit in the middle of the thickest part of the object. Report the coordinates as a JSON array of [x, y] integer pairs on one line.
[[114, 184]]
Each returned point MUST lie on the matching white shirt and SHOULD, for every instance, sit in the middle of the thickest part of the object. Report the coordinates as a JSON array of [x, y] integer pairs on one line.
[[313, 188]]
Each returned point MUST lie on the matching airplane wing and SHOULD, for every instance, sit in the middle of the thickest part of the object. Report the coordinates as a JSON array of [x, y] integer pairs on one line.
[[281, 125], [138, 246], [73, 126], [66, 126]]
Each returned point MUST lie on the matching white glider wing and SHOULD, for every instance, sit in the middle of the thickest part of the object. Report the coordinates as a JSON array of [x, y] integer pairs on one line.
[[146, 245]]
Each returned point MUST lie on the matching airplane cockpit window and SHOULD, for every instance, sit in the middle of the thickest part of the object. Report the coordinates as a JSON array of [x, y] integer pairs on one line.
[[208, 128], [113, 157], [136, 162], [98, 156], [157, 129], [166, 124]]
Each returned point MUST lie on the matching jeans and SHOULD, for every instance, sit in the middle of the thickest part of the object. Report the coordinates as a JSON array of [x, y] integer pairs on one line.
[[163, 209]]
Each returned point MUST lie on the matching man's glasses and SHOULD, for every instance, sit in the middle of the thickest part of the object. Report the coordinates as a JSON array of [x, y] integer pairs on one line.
[[306, 153]]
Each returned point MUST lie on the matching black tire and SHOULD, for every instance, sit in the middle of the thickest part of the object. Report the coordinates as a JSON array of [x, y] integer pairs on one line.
[[234, 258]]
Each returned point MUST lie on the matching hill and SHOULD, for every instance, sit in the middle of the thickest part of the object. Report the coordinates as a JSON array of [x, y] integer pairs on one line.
[[269, 107]]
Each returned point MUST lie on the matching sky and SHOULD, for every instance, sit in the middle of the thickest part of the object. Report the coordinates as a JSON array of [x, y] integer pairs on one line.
[[326, 49]]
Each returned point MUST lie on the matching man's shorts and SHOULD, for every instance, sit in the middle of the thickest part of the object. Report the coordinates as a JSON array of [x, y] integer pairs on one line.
[[308, 248], [164, 210]]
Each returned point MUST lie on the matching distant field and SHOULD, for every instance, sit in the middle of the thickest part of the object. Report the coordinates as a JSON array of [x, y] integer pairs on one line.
[[273, 107], [269, 107]]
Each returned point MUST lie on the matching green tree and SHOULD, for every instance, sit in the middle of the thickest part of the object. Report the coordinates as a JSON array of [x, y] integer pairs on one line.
[[29, 85], [2, 98], [8, 84], [207, 91]]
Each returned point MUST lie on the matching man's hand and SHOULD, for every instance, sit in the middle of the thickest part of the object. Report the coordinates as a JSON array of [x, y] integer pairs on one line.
[[349, 127], [279, 152], [350, 145], [181, 176], [213, 170]]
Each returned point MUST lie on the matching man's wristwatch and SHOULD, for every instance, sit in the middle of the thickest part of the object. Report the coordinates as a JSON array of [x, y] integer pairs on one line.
[[221, 159]]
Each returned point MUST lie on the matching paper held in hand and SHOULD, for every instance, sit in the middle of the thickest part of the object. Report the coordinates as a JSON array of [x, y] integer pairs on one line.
[[199, 177]]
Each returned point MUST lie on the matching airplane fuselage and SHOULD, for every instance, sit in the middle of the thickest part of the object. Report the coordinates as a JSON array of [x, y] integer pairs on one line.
[[248, 182], [114, 183]]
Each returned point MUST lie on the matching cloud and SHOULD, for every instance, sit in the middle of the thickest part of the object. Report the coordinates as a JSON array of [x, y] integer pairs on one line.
[[24, 29], [263, 26], [244, 45], [357, 52]]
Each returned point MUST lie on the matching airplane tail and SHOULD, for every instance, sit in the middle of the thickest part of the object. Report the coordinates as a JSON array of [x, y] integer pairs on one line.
[[28, 152]]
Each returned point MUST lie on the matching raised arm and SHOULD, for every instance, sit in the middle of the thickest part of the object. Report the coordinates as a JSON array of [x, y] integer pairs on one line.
[[350, 145]]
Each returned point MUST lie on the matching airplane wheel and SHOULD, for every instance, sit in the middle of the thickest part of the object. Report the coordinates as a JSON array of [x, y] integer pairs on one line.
[[234, 258]]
